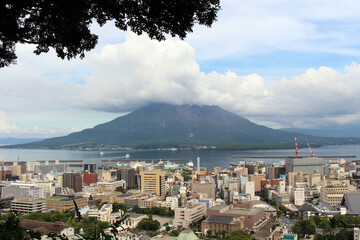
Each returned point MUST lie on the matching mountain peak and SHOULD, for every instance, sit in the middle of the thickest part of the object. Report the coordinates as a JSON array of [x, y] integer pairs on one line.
[[161, 125]]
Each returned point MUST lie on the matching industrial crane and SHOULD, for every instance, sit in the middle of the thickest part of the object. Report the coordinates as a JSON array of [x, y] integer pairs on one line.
[[311, 151], [296, 148]]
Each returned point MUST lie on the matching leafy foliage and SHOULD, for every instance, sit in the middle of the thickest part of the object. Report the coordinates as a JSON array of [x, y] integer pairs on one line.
[[149, 224], [305, 226], [119, 206], [239, 235], [174, 233], [64, 25], [161, 211], [91, 226]]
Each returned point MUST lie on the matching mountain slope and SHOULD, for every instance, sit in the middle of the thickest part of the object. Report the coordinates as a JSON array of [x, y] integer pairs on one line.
[[164, 125]]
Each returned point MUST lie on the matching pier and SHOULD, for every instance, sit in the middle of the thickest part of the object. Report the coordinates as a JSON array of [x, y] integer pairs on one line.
[[280, 157], [143, 160]]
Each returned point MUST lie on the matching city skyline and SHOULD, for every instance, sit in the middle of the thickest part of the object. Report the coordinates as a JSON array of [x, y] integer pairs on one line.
[[279, 63]]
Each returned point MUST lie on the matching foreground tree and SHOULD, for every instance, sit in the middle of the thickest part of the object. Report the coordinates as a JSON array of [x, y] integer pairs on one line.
[[64, 24]]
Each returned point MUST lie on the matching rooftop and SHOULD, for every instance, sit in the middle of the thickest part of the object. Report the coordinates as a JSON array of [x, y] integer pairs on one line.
[[252, 211], [218, 207]]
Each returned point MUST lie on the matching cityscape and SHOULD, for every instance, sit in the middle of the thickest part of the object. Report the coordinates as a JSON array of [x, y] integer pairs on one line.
[[167, 199]]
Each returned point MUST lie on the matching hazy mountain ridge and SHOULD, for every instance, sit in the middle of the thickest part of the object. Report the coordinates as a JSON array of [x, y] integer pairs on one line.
[[8, 140], [165, 125]]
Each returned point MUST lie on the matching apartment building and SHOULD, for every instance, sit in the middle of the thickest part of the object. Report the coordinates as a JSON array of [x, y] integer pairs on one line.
[[110, 186], [194, 211], [62, 203], [154, 182], [28, 205]]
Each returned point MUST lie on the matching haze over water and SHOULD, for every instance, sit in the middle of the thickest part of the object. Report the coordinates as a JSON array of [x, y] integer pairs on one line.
[[209, 159]]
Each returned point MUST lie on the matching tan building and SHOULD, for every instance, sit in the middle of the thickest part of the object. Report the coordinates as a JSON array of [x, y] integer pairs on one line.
[[28, 205], [62, 203], [16, 170], [147, 202], [110, 186], [120, 198], [153, 182], [107, 197], [217, 224], [335, 194], [204, 187], [257, 181], [252, 217], [194, 211]]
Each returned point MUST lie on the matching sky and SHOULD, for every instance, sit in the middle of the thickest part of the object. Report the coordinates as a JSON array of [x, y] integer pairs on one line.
[[280, 63]]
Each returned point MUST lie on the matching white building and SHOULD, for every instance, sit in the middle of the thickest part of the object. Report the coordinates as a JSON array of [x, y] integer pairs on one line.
[[172, 202], [299, 196], [250, 188], [194, 211]]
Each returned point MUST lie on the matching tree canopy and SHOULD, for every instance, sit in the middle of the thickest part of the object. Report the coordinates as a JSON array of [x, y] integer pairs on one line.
[[64, 25]]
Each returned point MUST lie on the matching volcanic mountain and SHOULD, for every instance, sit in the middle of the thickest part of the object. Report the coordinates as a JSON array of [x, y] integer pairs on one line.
[[164, 125]]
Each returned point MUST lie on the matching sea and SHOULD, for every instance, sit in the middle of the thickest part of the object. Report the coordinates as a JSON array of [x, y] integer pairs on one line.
[[208, 158]]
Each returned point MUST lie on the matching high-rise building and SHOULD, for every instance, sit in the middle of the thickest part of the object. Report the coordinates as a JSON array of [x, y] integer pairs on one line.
[[90, 167], [89, 178], [128, 175], [153, 181], [306, 165], [204, 188], [73, 181]]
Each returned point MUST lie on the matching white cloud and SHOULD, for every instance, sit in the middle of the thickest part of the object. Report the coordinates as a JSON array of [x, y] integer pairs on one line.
[[5, 126], [254, 27], [140, 71]]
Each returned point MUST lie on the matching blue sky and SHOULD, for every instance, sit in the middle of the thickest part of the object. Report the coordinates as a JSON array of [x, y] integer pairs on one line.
[[278, 62]]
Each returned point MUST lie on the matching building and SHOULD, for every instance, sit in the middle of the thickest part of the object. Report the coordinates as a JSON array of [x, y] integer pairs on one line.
[[28, 205], [274, 172], [110, 186], [335, 193], [89, 178], [62, 203], [45, 228], [72, 181], [90, 167], [204, 187], [20, 190], [257, 181], [128, 175], [217, 224], [5, 170], [147, 202], [184, 216], [356, 233], [250, 188], [252, 217], [172, 202], [306, 165], [47, 168], [351, 202], [299, 196], [6, 201], [154, 182]]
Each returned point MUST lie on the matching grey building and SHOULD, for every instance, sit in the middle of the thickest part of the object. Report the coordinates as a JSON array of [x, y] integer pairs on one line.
[[47, 168], [128, 175], [90, 167], [204, 188], [305, 165], [73, 181]]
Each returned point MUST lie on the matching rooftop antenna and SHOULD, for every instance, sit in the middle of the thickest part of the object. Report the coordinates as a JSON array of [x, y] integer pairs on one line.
[[296, 148]]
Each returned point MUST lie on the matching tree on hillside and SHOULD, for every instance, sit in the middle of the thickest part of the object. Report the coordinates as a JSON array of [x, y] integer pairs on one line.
[[64, 25], [239, 235]]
